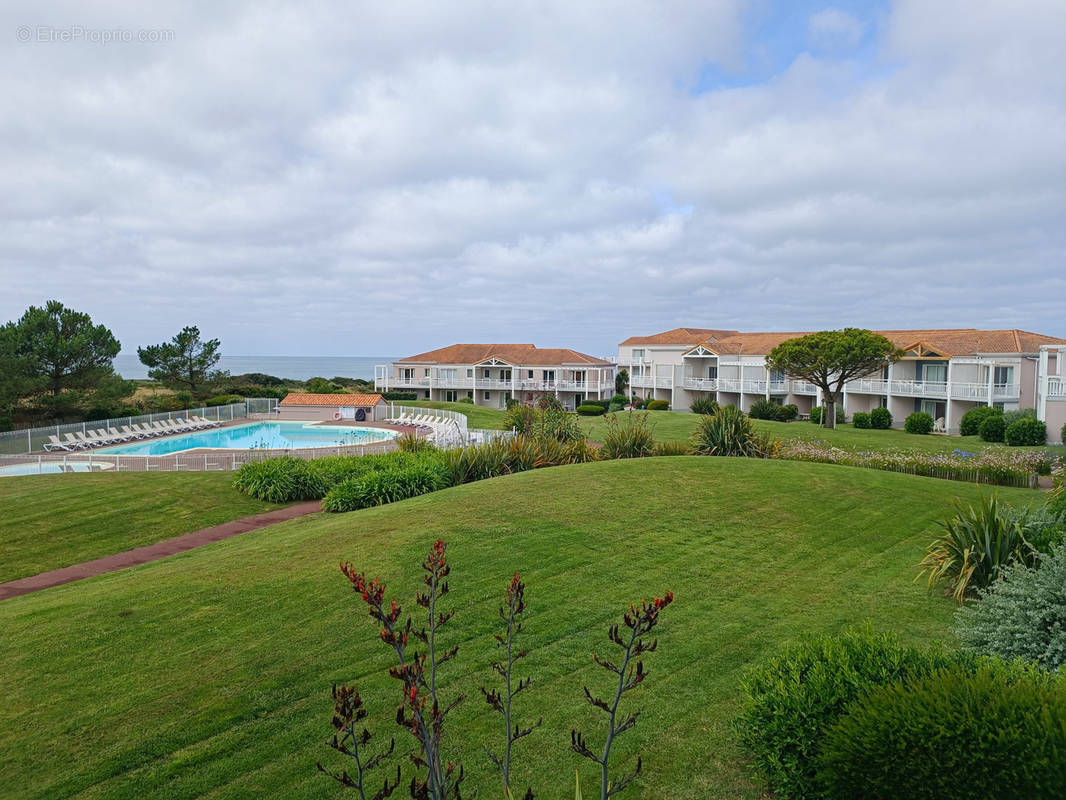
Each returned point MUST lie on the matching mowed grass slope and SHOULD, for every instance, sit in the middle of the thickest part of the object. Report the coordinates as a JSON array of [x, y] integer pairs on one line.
[[208, 673], [53, 521], [678, 426]]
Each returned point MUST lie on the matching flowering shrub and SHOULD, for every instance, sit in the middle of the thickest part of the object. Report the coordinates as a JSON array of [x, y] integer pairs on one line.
[[993, 465]]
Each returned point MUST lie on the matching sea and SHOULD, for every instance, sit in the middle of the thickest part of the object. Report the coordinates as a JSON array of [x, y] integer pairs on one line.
[[298, 368]]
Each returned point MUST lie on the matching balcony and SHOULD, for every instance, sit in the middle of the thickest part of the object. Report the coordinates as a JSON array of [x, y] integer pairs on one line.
[[1056, 387], [803, 387], [701, 384], [919, 388], [729, 385], [979, 391], [867, 386]]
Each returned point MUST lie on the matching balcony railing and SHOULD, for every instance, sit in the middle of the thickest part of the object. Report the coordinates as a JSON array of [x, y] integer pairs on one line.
[[920, 388], [868, 386], [701, 384], [979, 391], [1056, 387], [803, 387]]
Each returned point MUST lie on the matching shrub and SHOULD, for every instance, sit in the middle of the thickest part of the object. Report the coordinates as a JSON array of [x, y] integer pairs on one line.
[[1026, 433], [974, 546], [658, 405], [1021, 616], [971, 421], [411, 443], [590, 410], [729, 432], [951, 734], [604, 404], [555, 423], [379, 487], [1010, 417], [861, 419], [671, 449], [880, 419], [468, 464], [280, 480], [613, 407], [1062, 434], [549, 402], [469, 400], [919, 422], [223, 400], [704, 405], [628, 436], [621, 399], [1056, 499], [793, 699], [992, 428], [399, 396], [787, 413], [763, 409], [519, 418]]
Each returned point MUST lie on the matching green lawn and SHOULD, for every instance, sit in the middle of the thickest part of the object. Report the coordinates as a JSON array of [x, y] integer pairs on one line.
[[53, 521], [677, 426], [208, 673]]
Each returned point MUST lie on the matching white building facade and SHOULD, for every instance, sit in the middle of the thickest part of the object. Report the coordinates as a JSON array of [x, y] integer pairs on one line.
[[942, 372], [491, 374]]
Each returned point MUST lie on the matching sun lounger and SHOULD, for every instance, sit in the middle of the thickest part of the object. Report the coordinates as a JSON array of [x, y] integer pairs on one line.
[[207, 423], [53, 443], [130, 432], [142, 429], [88, 440], [118, 436], [104, 436], [161, 429], [68, 438]]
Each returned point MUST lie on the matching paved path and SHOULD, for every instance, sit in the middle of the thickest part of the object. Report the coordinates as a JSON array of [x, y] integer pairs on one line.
[[153, 552]]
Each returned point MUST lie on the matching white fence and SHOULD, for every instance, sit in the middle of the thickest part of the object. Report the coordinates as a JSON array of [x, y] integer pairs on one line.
[[33, 440]]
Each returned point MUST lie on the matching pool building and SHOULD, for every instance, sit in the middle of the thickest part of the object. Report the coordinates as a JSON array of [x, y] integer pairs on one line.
[[321, 407]]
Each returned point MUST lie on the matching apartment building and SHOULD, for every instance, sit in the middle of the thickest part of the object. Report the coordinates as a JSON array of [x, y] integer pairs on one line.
[[490, 374], [942, 372]]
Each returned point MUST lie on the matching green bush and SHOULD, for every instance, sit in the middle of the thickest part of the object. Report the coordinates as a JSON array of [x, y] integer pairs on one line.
[[671, 449], [787, 412], [1062, 434], [519, 418], [556, 423], [1010, 417], [974, 546], [793, 699], [1056, 499], [628, 435], [861, 419], [549, 402], [1026, 432], [468, 400], [280, 480], [971, 421], [613, 407], [604, 404], [992, 428], [1021, 616], [729, 432], [468, 464], [377, 488], [704, 405], [223, 400], [763, 409], [880, 419], [412, 443], [590, 410], [658, 405], [621, 399], [919, 422], [399, 397], [951, 734]]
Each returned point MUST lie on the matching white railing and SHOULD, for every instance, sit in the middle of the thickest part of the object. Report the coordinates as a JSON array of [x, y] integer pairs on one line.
[[30, 440], [1056, 387], [702, 384], [778, 387], [867, 386], [754, 387], [920, 388], [803, 387], [979, 391], [729, 385]]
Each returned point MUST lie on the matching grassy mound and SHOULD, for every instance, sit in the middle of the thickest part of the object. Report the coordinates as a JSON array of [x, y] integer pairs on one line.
[[53, 521], [209, 672]]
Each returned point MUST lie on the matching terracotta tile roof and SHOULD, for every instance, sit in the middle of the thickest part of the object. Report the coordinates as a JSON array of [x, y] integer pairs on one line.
[[682, 336], [294, 399], [948, 341], [514, 354]]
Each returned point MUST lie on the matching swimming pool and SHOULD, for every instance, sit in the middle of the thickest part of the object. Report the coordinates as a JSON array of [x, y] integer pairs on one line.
[[52, 468], [256, 436]]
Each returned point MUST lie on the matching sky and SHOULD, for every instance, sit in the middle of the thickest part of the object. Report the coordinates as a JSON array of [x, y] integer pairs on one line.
[[335, 178]]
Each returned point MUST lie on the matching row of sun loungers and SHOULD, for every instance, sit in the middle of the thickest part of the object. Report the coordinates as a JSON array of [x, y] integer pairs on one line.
[[418, 421], [127, 433]]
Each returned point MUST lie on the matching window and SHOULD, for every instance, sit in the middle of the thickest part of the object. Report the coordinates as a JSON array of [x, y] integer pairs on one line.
[[529, 374], [488, 395], [427, 394], [505, 374], [549, 375], [1003, 376], [776, 376], [638, 353], [450, 396], [426, 374], [470, 373], [470, 395], [407, 375], [487, 374], [935, 373], [712, 373], [449, 375]]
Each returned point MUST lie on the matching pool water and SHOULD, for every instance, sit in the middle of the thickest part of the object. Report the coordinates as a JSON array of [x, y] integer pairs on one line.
[[256, 436], [51, 468]]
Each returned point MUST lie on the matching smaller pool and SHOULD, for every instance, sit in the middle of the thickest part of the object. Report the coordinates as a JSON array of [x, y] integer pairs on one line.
[[52, 468], [256, 436]]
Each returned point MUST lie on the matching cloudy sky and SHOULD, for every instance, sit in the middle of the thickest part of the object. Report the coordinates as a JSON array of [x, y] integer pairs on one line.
[[382, 178]]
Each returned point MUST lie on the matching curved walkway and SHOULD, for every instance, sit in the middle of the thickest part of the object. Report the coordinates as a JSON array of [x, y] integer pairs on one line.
[[154, 552]]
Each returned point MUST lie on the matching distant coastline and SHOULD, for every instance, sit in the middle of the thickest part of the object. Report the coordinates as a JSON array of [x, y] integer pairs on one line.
[[295, 367]]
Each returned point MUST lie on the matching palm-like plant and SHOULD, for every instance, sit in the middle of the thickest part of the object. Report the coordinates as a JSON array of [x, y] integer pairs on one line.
[[973, 547], [729, 432]]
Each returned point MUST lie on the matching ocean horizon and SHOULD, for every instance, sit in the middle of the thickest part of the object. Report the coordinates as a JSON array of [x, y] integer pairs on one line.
[[298, 368]]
